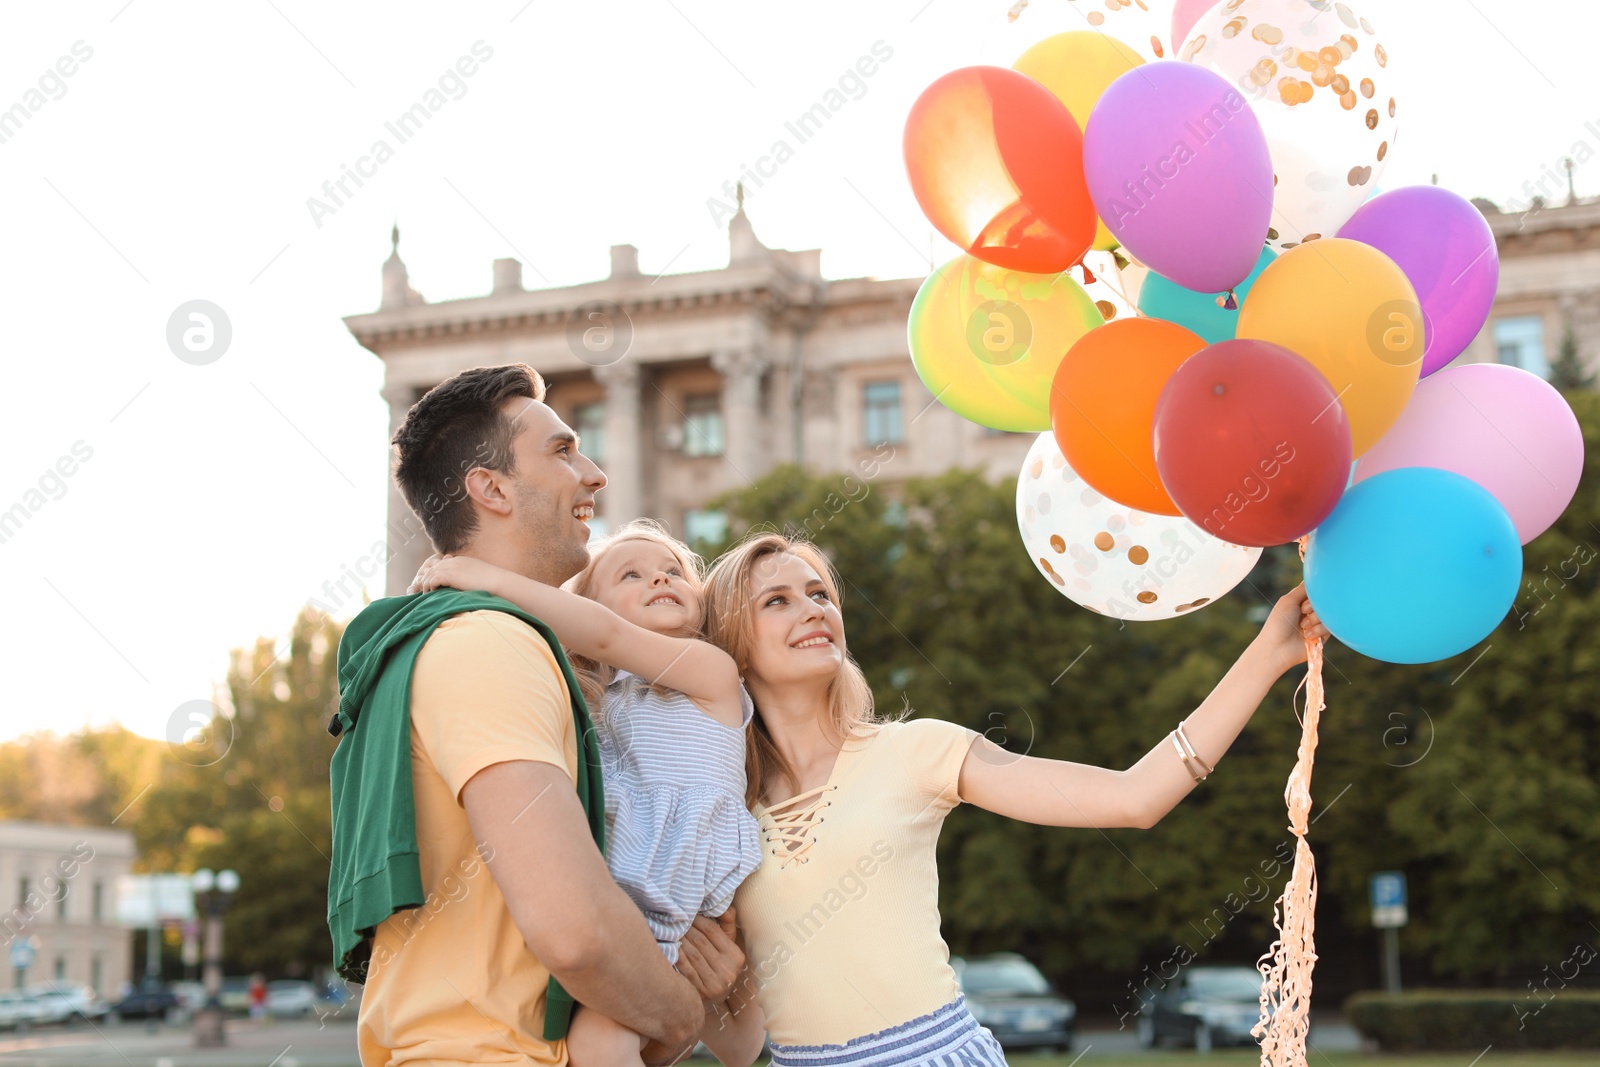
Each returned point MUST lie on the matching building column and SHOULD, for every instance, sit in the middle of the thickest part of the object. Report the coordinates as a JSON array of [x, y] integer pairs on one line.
[[742, 370], [408, 542], [622, 498]]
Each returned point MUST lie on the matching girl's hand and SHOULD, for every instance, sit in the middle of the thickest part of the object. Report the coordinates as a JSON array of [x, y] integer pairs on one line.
[[1291, 624], [458, 572]]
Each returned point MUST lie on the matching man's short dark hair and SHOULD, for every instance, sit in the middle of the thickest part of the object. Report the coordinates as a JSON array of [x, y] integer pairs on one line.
[[456, 427]]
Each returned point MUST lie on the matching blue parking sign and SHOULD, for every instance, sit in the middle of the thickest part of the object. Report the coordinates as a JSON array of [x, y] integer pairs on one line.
[[1387, 891]]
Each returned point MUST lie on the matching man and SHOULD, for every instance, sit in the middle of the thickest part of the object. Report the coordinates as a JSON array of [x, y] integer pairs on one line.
[[459, 917]]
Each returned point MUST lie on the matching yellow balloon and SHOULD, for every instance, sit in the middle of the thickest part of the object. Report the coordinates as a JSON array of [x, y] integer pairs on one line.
[[937, 334], [1349, 311], [1021, 325], [1077, 67]]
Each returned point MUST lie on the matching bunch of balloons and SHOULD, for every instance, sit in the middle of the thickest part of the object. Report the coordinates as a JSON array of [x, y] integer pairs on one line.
[[1285, 372]]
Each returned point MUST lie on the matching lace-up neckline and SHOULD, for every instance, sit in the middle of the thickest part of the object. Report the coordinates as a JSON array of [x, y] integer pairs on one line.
[[792, 823]]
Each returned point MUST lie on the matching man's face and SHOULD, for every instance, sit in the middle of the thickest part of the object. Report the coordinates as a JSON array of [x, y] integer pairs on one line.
[[552, 491]]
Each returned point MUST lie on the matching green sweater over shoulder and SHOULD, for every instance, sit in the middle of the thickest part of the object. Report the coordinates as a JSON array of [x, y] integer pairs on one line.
[[375, 871]]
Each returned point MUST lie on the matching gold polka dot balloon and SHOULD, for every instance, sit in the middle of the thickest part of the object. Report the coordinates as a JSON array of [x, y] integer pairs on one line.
[[1113, 559], [1317, 77]]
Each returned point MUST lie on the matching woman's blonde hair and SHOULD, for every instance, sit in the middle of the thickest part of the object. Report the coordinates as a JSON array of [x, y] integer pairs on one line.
[[730, 624], [593, 676]]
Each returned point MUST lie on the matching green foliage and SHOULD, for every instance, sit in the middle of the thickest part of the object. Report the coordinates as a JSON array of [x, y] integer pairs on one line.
[[263, 808], [1435, 1020], [1568, 373], [1476, 776]]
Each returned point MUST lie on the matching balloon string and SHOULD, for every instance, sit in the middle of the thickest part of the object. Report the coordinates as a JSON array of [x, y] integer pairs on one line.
[[1286, 967], [1119, 288]]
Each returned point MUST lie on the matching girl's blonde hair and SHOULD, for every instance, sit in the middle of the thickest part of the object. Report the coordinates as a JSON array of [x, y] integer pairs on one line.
[[730, 624], [593, 676]]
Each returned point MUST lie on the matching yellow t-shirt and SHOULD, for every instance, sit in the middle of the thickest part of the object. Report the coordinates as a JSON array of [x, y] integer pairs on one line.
[[842, 928], [453, 980]]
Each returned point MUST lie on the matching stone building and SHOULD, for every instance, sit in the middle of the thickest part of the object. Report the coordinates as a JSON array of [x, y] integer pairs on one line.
[[65, 879], [683, 386]]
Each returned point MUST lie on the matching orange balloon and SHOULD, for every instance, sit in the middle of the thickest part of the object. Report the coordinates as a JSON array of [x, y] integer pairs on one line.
[[996, 163], [1103, 407]]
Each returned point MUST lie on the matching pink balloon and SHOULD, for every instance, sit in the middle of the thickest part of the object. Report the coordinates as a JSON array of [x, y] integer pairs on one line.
[[1184, 15], [1504, 428]]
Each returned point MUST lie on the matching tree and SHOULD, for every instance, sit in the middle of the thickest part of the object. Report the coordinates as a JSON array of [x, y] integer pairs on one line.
[[1568, 371], [259, 802]]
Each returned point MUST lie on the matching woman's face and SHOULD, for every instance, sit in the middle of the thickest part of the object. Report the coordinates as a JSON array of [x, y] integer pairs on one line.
[[798, 633]]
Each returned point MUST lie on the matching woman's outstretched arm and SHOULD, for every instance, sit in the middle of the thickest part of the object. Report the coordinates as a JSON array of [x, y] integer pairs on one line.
[[1058, 793], [697, 669]]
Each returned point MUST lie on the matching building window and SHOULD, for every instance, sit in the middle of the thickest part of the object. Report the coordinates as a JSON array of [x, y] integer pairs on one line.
[[61, 968], [708, 527], [702, 425], [97, 898], [96, 973], [61, 904], [589, 421], [1519, 342], [22, 892], [881, 403]]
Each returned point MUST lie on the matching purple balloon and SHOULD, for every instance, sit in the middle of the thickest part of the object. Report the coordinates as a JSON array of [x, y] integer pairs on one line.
[[1445, 247], [1179, 170]]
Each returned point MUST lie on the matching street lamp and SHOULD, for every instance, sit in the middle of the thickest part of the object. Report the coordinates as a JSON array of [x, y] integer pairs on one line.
[[213, 893]]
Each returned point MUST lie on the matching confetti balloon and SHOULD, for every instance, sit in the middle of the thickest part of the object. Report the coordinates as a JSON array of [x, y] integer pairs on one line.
[[1318, 78], [996, 164], [1349, 311], [1077, 67], [1185, 13], [1103, 406], [1116, 560]]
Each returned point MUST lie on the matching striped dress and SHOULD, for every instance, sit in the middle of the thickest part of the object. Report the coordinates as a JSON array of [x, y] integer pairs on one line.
[[679, 838]]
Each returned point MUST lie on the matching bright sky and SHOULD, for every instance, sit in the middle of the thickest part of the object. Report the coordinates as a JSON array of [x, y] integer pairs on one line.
[[175, 162]]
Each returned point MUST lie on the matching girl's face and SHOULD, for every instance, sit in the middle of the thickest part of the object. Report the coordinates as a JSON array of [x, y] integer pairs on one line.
[[798, 633], [647, 584]]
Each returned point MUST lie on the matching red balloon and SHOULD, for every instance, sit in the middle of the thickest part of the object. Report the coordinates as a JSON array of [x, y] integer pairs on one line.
[[1252, 443], [996, 162]]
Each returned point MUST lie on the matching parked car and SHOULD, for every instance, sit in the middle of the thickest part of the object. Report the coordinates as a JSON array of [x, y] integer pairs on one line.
[[292, 997], [17, 1010], [1204, 1006], [66, 1004], [235, 995], [1007, 994], [145, 1004], [191, 997]]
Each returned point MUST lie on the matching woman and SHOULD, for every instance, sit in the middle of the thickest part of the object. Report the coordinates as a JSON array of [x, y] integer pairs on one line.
[[841, 921]]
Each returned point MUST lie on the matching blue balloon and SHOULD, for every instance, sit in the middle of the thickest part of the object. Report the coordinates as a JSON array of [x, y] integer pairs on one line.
[[1200, 313], [1414, 565]]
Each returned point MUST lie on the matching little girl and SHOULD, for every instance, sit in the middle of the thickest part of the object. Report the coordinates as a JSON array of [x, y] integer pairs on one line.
[[670, 713]]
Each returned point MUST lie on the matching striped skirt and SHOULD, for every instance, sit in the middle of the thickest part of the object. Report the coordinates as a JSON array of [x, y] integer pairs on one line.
[[949, 1037]]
